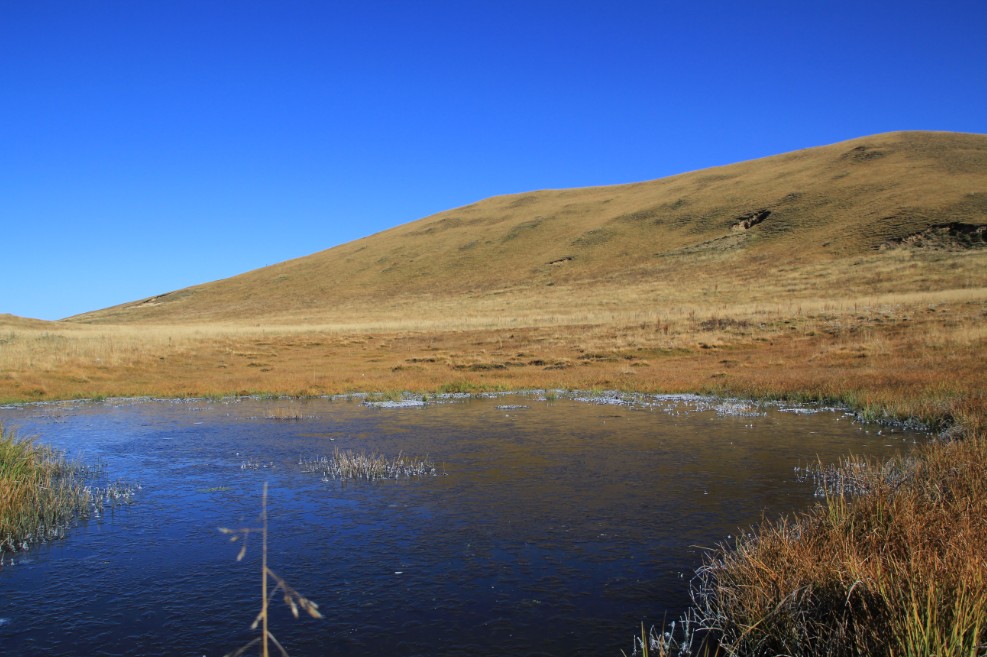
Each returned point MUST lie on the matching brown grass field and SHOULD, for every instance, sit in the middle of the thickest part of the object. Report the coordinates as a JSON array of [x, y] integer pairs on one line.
[[865, 281], [918, 354], [853, 273]]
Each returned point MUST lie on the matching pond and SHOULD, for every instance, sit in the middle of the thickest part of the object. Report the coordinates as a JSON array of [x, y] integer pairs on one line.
[[554, 526]]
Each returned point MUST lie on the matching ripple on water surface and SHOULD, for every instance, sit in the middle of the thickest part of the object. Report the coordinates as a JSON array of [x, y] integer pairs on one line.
[[555, 527]]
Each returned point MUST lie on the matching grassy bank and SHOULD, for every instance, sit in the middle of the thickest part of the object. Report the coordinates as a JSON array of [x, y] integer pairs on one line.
[[892, 562], [40, 493]]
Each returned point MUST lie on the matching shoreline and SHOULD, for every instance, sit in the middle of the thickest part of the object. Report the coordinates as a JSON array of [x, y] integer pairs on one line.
[[718, 572], [939, 428]]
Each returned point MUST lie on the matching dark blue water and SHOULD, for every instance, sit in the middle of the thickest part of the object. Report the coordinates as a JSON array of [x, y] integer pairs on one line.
[[554, 530]]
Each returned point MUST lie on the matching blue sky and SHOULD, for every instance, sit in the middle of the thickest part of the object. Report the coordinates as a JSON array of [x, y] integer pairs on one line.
[[147, 146]]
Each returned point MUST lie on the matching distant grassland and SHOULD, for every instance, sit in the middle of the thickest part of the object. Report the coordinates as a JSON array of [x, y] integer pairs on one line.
[[854, 272], [913, 352], [773, 230]]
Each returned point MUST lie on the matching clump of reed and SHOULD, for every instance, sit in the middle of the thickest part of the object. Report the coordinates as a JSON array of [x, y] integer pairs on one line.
[[372, 466], [892, 561], [681, 639], [855, 476], [41, 492], [253, 463], [271, 585], [285, 415], [112, 495]]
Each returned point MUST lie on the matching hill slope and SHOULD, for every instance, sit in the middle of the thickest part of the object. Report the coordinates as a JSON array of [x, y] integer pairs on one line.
[[817, 207], [8, 321]]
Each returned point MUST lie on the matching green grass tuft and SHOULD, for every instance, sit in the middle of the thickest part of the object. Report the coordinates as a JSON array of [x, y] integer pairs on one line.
[[40, 493]]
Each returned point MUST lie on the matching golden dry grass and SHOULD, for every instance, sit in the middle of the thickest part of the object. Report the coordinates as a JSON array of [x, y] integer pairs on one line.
[[653, 244], [914, 352], [897, 570]]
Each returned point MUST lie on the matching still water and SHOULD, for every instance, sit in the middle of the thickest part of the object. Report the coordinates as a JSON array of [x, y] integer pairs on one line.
[[555, 528]]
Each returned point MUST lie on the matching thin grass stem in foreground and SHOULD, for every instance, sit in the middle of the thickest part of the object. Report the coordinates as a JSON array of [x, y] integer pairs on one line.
[[292, 598]]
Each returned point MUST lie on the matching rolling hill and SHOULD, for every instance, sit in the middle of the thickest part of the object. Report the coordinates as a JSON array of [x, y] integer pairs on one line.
[[789, 217], [8, 321]]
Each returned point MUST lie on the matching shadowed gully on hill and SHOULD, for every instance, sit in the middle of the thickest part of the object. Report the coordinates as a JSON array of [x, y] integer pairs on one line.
[[734, 226]]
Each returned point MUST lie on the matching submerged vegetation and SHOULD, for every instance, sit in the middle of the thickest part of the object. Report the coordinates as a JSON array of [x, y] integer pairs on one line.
[[42, 493], [343, 465]]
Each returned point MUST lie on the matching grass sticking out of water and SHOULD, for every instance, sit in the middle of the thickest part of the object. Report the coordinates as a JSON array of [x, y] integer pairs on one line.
[[271, 586], [285, 415], [891, 562], [343, 465], [682, 638], [41, 492]]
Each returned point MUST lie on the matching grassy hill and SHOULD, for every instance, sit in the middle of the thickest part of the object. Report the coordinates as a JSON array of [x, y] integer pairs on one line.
[[8, 321], [790, 217], [854, 271]]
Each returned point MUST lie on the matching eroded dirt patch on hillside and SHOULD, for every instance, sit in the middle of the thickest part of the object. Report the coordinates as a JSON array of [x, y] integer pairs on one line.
[[952, 236]]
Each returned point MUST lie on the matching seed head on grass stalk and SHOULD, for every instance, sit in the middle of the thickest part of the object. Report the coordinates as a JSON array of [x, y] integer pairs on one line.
[[292, 598]]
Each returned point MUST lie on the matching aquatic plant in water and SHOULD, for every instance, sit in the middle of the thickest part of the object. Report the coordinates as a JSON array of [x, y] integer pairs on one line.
[[372, 466], [679, 640], [42, 493]]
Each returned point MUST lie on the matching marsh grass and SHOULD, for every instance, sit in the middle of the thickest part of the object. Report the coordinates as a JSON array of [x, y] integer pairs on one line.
[[385, 396], [344, 465], [272, 585], [884, 353], [682, 639], [285, 415], [42, 493], [892, 562]]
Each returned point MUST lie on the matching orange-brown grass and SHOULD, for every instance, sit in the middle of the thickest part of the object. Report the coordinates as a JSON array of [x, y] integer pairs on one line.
[[39, 493], [910, 354], [899, 569], [678, 241]]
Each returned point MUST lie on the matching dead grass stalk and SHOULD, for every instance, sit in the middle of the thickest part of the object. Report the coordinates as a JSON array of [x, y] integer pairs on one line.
[[271, 585]]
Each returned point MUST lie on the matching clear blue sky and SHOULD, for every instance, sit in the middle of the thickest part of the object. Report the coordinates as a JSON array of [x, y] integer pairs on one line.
[[148, 145]]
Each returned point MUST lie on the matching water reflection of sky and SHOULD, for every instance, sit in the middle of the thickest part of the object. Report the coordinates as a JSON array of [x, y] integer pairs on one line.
[[555, 528]]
